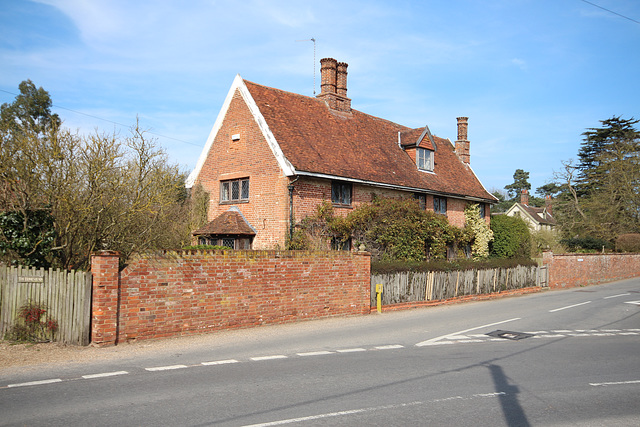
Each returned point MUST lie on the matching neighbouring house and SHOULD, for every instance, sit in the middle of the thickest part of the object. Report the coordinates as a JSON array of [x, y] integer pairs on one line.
[[537, 218], [273, 157]]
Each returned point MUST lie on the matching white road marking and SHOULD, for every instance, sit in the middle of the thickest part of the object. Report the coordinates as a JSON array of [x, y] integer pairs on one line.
[[220, 362], [569, 306], [104, 374], [260, 358], [41, 382], [351, 350], [615, 383], [633, 302], [372, 409], [315, 353], [433, 340], [166, 368], [388, 347], [616, 296]]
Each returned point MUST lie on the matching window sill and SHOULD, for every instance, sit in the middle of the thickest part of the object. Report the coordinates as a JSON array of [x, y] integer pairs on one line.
[[233, 202], [339, 205]]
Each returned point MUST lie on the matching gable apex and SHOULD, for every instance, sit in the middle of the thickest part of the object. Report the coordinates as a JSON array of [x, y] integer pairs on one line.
[[240, 86]]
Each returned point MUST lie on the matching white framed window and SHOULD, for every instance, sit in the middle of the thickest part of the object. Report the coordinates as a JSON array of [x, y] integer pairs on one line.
[[424, 159], [236, 190]]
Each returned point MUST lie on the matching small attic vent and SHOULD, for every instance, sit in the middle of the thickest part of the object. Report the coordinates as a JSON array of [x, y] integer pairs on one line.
[[235, 137]]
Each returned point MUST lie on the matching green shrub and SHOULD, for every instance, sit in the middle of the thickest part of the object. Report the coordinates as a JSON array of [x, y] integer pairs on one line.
[[388, 267], [586, 244], [543, 240], [628, 242], [511, 237]]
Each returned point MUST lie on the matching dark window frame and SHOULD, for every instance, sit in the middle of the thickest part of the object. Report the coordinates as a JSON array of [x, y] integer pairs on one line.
[[341, 193], [240, 242], [440, 205], [234, 191], [422, 200]]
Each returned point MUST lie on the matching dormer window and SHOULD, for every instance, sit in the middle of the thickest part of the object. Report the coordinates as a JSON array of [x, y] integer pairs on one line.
[[424, 159]]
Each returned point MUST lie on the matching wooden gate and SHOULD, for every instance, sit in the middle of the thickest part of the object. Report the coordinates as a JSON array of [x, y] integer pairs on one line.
[[66, 295]]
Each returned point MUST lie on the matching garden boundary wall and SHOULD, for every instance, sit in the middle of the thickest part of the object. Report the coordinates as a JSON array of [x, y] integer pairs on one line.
[[182, 293], [570, 270]]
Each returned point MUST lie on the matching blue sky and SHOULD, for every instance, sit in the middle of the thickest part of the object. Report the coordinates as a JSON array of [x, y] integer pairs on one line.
[[531, 75]]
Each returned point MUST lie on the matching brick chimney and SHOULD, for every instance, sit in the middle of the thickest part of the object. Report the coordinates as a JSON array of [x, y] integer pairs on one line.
[[524, 197], [462, 143], [547, 205], [333, 84]]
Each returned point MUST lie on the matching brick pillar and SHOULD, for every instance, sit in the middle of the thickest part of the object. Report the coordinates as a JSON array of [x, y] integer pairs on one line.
[[547, 260], [104, 312]]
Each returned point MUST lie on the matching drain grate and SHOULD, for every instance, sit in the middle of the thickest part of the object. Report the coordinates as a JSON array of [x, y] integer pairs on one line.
[[509, 335]]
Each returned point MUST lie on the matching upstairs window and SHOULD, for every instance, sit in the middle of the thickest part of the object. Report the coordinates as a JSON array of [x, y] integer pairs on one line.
[[483, 210], [440, 205], [422, 200], [341, 193], [236, 190], [425, 159]]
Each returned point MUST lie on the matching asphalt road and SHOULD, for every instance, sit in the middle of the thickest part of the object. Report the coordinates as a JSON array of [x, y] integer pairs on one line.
[[555, 358]]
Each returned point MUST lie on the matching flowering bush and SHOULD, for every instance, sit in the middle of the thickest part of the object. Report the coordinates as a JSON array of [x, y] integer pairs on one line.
[[32, 325]]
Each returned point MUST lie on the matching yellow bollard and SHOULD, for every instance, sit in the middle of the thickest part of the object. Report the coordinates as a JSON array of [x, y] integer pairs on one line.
[[379, 296]]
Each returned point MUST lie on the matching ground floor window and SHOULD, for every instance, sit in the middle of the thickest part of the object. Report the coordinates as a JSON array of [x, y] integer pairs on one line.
[[228, 241], [422, 200], [440, 205], [340, 245]]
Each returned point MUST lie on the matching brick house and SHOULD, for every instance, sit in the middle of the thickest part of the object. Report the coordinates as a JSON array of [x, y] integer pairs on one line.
[[273, 156]]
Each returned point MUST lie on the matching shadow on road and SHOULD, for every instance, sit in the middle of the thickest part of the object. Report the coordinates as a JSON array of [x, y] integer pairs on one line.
[[512, 410]]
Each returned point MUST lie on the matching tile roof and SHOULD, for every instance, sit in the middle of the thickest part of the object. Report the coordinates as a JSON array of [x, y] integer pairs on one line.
[[541, 215], [229, 222], [318, 140]]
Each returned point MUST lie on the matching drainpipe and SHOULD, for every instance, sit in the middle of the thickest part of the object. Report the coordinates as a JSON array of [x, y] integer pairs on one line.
[[291, 217]]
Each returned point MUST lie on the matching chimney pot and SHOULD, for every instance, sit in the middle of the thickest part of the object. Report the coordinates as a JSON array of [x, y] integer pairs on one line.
[[328, 74], [333, 85], [342, 79]]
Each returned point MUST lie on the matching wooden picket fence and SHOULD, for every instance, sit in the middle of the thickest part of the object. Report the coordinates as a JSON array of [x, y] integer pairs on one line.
[[66, 295], [405, 287]]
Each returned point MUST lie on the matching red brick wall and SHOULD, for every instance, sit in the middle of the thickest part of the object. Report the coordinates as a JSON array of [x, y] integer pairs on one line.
[[569, 270], [268, 207], [187, 293]]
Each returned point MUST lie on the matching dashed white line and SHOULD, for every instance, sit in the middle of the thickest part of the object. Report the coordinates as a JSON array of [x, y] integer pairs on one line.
[[569, 306], [351, 350], [166, 368], [274, 357], [388, 347], [220, 362], [616, 296], [104, 375], [615, 383], [315, 353], [41, 382]]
